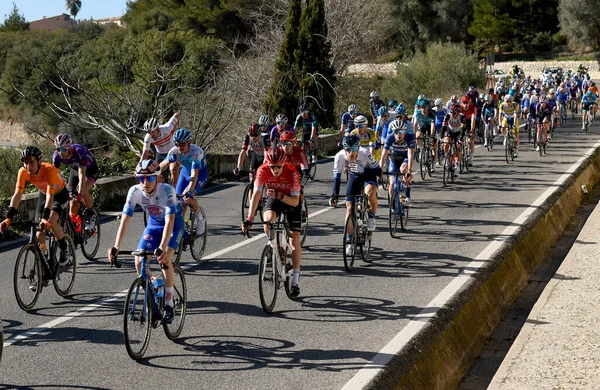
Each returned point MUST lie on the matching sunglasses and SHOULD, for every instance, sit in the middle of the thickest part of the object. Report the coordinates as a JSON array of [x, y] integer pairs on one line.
[[353, 112], [351, 149], [179, 144], [287, 143], [251, 136], [63, 149], [28, 160], [149, 179], [275, 166], [281, 123], [361, 126], [398, 132]]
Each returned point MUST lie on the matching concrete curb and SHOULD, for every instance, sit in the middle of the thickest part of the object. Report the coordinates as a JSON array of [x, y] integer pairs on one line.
[[439, 355]]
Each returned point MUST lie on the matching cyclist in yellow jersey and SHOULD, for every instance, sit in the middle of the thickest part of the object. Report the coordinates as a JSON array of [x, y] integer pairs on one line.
[[367, 136], [508, 112]]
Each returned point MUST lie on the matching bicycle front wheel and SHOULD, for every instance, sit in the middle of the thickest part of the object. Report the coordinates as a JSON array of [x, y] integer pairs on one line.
[[246, 201], [447, 170], [198, 242], [393, 213], [268, 280], [27, 277], [507, 151], [423, 161], [349, 253], [65, 274], [91, 234], [137, 316], [304, 223], [173, 330], [312, 173], [404, 217]]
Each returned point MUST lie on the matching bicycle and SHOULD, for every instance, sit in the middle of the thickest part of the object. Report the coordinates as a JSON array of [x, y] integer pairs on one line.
[[510, 147], [361, 238], [449, 159], [466, 153], [35, 268], [426, 157], [189, 240], [246, 199], [89, 236], [489, 135], [544, 139], [398, 209], [587, 123], [311, 155], [144, 306], [275, 266]]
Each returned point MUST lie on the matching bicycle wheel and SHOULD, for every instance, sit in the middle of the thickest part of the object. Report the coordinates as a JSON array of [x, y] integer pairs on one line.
[[304, 226], [423, 161], [27, 277], [365, 248], [198, 242], [466, 154], [268, 280], [173, 330], [542, 146], [65, 274], [447, 169], [91, 234], [137, 315], [349, 258], [507, 151], [246, 201], [393, 213], [313, 164]]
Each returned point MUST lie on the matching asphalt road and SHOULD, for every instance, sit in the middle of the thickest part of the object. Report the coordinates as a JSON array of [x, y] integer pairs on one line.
[[340, 321]]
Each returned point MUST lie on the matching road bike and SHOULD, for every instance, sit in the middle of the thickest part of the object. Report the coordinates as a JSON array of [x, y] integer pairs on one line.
[[466, 154], [361, 238], [247, 196], [544, 138], [311, 156], [189, 239], [562, 113], [426, 157], [489, 135], [398, 209], [275, 265], [36, 267], [448, 164], [144, 306], [88, 237], [573, 107], [510, 148], [587, 122]]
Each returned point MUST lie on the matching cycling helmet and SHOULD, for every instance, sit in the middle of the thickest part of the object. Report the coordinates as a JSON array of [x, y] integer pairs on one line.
[[454, 98], [491, 90], [303, 107], [374, 95], [263, 120], [360, 120], [397, 125], [488, 98], [383, 111], [421, 97], [254, 129], [472, 88], [551, 91], [31, 151], [287, 136], [352, 108], [393, 103], [508, 98], [438, 102], [465, 99], [62, 141], [350, 141], [543, 100], [182, 135], [589, 93], [150, 125], [593, 84], [455, 108], [425, 103], [401, 110], [148, 168], [281, 118], [275, 156]]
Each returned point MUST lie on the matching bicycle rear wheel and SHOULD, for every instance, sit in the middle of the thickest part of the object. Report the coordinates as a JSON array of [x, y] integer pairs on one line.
[[27, 277], [137, 316], [349, 258], [173, 330], [313, 164], [304, 221], [198, 242], [91, 234], [65, 274], [268, 280], [393, 213], [423, 161]]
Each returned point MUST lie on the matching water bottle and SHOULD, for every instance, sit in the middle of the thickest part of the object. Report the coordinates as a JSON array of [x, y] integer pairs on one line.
[[158, 285]]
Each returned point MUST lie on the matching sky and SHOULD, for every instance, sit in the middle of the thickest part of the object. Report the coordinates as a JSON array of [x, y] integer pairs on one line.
[[37, 9]]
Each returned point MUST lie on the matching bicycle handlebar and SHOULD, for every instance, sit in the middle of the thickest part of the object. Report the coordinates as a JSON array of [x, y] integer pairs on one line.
[[142, 253]]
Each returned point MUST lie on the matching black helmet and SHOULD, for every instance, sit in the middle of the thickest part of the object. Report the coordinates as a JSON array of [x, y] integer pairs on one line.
[[303, 107], [31, 151]]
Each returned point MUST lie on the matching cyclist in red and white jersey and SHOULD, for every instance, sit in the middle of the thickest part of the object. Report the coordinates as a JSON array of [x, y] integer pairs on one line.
[[161, 136], [283, 189], [257, 142]]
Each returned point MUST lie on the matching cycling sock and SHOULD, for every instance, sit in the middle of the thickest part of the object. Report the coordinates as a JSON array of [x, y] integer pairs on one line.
[[348, 238], [371, 214], [295, 276], [169, 296], [62, 244]]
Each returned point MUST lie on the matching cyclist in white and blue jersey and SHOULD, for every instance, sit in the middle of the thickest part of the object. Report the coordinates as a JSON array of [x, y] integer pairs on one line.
[[440, 113], [383, 120], [164, 229], [194, 172], [400, 148], [563, 97]]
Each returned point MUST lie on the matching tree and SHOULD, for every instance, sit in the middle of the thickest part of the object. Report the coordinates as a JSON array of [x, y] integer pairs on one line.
[[580, 22], [73, 6], [14, 21], [281, 97], [491, 23]]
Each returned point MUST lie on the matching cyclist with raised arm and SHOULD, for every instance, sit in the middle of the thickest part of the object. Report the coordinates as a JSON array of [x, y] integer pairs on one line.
[[363, 171], [283, 190], [307, 125], [194, 173], [165, 225], [161, 136], [52, 196], [84, 174], [400, 148], [281, 125]]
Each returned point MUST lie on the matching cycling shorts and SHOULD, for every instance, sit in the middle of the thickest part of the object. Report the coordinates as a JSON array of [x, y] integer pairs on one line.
[[256, 162], [511, 121], [357, 182], [185, 178], [586, 106], [152, 235], [293, 214], [74, 179], [453, 135], [396, 163], [60, 198]]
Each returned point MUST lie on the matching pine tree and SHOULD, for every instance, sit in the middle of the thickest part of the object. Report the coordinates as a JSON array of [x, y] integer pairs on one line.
[[14, 21], [281, 97]]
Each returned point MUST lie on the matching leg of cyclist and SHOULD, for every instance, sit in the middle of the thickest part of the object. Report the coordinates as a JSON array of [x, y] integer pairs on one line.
[[183, 188], [294, 217], [472, 135], [371, 192], [516, 133]]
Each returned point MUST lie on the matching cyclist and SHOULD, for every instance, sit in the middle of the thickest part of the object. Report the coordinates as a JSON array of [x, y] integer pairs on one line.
[[307, 122], [400, 148], [553, 103], [363, 172], [488, 115], [588, 103], [593, 88], [473, 94], [281, 124], [563, 97], [264, 122], [453, 100], [348, 119], [53, 195], [424, 123], [375, 103], [509, 111], [453, 130], [165, 225], [84, 174], [382, 122], [283, 189], [161, 136], [470, 112], [257, 142], [543, 115], [368, 138], [194, 173], [440, 113], [393, 106]]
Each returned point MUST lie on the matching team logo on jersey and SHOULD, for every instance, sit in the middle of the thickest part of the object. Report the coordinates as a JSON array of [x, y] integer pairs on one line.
[[154, 211], [148, 245], [148, 237]]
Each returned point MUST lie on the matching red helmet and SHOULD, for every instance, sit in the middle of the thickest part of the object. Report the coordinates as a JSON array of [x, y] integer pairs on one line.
[[288, 136], [254, 129], [465, 99], [455, 107], [275, 156]]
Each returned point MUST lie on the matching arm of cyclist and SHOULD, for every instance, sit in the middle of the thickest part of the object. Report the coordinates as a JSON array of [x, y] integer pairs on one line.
[[82, 181], [123, 226], [15, 201], [254, 200], [193, 180]]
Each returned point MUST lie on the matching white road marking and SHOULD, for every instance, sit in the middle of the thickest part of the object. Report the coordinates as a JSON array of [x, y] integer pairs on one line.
[[372, 368]]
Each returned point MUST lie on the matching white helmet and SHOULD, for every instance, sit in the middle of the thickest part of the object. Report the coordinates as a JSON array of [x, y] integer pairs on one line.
[[150, 125], [397, 125], [374, 94], [438, 102], [360, 120]]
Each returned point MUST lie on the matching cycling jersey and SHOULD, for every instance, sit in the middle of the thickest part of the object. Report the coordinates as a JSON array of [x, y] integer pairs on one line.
[[552, 102], [473, 95], [524, 105], [47, 179], [508, 108], [543, 113], [349, 121], [276, 133], [193, 159], [469, 112], [297, 158], [257, 146], [563, 96], [594, 89], [80, 157], [375, 106], [440, 114], [164, 142], [162, 203], [450, 103], [368, 140], [424, 120], [455, 124], [587, 101], [306, 123], [488, 110], [288, 183], [366, 163]]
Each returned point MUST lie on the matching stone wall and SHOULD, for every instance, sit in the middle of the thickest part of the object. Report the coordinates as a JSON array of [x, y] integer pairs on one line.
[[534, 68], [14, 133]]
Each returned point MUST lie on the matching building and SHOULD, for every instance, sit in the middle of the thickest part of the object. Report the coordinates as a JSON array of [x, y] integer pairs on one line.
[[52, 23], [115, 19]]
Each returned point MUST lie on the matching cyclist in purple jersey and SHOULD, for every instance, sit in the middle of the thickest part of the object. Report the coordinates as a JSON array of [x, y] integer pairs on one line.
[[280, 126], [83, 175]]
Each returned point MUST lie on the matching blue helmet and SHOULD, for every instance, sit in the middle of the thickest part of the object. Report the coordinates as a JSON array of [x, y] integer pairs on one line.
[[350, 141], [589, 93], [383, 110], [393, 103], [182, 135], [401, 110], [147, 168]]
